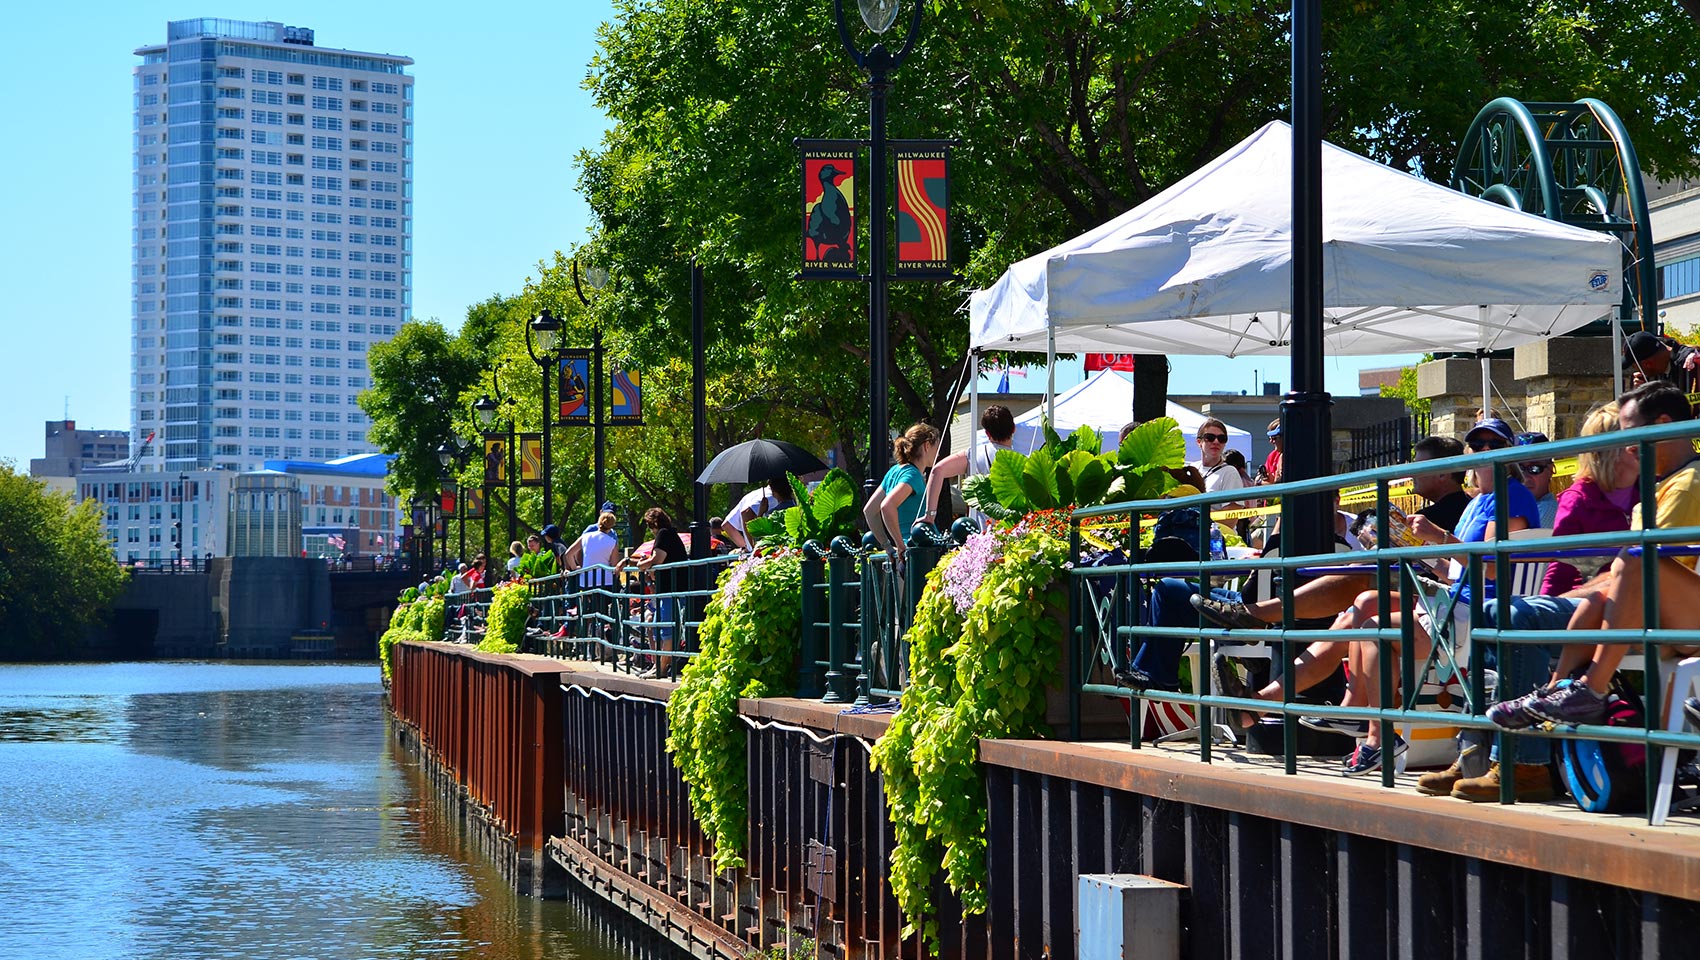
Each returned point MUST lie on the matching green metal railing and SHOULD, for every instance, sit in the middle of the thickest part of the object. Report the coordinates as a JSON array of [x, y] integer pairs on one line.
[[1104, 624]]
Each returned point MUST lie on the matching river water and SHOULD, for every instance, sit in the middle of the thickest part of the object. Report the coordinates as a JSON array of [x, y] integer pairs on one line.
[[256, 811]]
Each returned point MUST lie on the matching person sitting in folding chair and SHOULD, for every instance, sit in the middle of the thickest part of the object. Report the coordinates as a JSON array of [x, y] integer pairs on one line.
[[1614, 599], [1441, 615]]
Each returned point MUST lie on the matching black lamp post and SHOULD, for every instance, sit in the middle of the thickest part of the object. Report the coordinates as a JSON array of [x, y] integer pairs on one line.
[[879, 16], [452, 456], [597, 277], [421, 534], [547, 331], [1305, 415]]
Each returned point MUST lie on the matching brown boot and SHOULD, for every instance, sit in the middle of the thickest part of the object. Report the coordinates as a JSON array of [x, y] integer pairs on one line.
[[1439, 783], [1532, 784]]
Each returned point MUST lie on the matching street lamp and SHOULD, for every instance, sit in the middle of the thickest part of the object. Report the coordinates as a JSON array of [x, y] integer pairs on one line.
[[597, 277], [486, 409], [878, 15], [547, 331]]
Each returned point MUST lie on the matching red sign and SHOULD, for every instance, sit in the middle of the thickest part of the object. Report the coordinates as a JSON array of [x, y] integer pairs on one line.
[[1109, 361], [923, 210], [829, 209]]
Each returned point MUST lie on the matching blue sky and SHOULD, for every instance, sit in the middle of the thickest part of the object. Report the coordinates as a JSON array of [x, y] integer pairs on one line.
[[500, 113]]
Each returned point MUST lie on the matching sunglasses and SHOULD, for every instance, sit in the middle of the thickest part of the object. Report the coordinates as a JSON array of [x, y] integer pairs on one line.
[[1536, 469], [1212, 438], [1486, 444]]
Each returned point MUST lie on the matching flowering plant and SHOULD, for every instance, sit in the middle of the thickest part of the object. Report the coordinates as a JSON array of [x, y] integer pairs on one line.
[[967, 568]]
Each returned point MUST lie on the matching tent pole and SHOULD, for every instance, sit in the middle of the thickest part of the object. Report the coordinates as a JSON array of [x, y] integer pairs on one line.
[[973, 408], [1487, 373], [1617, 351], [1050, 375]]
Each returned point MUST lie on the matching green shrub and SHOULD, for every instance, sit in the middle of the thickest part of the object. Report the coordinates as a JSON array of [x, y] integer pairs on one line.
[[748, 646], [510, 606]]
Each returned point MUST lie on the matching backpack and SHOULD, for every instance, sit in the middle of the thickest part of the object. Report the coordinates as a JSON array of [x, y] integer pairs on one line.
[[1606, 777], [1175, 536]]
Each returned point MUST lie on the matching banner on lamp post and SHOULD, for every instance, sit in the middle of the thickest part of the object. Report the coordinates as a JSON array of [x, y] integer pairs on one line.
[[829, 209], [531, 459], [574, 382], [446, 501], [495, 459], [626, 406], [474, 503], [923, 210]]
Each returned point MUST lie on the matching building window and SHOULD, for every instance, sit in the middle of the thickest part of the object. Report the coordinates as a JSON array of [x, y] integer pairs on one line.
[[1680, 279]]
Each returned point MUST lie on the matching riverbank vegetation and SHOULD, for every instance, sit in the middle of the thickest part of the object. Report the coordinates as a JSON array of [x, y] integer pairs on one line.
[[57, 577]]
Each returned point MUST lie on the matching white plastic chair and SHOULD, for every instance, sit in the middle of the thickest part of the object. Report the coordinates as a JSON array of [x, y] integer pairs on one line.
[[1684, 679]]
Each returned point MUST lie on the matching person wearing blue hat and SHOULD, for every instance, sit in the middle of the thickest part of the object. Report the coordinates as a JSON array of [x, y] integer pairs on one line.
[[1537, 476]]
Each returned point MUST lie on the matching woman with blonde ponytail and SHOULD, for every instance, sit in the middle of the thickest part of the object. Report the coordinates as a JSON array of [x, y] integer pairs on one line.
[[892, 509]]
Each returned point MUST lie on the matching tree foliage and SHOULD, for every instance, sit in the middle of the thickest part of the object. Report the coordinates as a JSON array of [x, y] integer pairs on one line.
[[57, 575], [418, 378], [1068, 112]]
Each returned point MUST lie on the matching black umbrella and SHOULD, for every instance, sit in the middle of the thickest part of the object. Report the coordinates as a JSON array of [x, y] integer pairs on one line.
[[757, 461]]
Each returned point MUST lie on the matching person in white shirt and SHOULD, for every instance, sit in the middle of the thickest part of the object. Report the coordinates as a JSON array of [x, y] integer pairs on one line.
[[1218, 473], [458, 584], [758, 502], [999, 425], [596, 548]]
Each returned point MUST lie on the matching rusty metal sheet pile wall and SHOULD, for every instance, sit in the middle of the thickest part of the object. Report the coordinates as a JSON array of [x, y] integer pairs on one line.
[[1271, 874], [497, 727]]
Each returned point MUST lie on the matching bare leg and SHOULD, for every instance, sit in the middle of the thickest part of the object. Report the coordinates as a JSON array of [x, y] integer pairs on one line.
[[1322, 597], [1366, 678]]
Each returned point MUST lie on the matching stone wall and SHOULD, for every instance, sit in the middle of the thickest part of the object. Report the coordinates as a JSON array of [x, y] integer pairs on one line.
[[1565, 378]]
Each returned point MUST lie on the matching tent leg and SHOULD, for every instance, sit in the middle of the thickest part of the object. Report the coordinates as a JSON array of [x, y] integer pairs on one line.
[[1617, 352], [973, 408], [1487, 372], [1487, 387], [1050, 376]]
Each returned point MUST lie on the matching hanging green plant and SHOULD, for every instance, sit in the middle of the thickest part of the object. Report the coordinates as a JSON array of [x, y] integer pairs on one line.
[[504, 620], [974, 676], [1072, 472], [395, 634], [747, 645]]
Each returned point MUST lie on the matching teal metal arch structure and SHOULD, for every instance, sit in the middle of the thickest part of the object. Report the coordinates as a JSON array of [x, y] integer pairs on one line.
[[1571, 162]]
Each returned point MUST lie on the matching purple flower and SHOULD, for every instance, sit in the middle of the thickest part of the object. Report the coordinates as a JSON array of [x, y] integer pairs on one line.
[[968, 567]]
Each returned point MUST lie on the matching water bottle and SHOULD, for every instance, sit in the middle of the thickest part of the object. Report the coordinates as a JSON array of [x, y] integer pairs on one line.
[[1218, 546]]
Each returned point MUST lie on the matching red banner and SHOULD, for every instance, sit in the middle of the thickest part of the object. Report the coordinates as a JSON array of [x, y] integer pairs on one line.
[[829, 209], [923, 210], [1109, 361]]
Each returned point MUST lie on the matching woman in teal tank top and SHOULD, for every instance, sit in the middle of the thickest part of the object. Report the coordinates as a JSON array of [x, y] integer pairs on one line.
[[892, 509]]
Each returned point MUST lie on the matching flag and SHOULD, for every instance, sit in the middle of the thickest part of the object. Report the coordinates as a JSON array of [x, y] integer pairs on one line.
[[151, 434], [380, 540], [1003, 381]]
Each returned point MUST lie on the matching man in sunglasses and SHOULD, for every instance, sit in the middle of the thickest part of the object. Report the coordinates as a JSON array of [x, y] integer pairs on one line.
[[1537, 476]]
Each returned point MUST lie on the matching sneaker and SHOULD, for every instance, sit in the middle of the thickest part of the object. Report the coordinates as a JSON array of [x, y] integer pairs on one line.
[[1367, 759], [1133, 678], [1515, 714], [1228, 683], [1350, 728], [1532, 783], [1570, 703], [1691, 707], [1227, 613]]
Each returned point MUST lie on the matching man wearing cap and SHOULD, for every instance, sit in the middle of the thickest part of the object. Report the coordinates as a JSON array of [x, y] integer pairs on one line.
[[1649, 357], [1537, 476], [552, 541], [1271, 472]]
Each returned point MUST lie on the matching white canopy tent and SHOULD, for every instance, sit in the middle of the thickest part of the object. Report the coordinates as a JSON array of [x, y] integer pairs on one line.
[[1104, 402], [1205, 268]]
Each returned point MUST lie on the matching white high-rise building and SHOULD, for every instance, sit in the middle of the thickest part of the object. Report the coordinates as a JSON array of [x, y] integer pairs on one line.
[[272, 242]]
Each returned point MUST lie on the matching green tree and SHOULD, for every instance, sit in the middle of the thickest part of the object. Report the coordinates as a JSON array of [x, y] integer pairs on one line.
[[418, 379], [1069, 112], [58, 578]]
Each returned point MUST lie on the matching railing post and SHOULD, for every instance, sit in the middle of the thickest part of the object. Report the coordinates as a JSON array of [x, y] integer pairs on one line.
[[808, 667], [838, 572], [1071, 635]]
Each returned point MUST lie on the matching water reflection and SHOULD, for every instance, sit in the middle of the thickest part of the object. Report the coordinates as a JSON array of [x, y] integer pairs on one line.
[[260, 820]]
